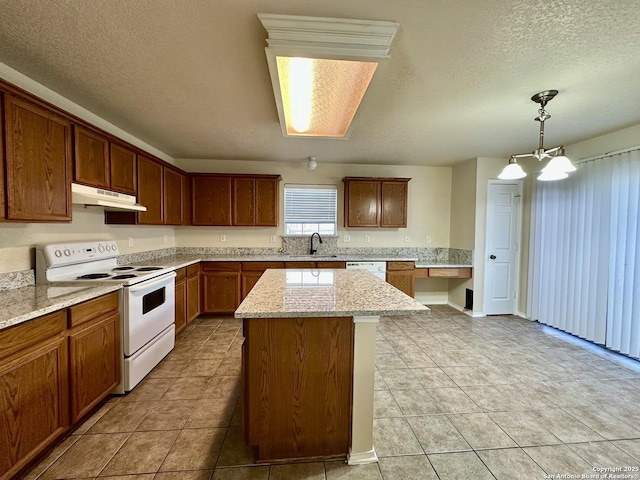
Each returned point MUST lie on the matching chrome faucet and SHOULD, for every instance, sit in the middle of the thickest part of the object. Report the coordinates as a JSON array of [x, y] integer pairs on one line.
[[311, 249]]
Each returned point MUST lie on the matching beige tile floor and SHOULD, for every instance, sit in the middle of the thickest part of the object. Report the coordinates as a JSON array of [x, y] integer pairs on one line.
[[456, 398]]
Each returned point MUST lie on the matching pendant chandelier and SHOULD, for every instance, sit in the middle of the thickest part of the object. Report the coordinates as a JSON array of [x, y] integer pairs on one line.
[[559, 165]]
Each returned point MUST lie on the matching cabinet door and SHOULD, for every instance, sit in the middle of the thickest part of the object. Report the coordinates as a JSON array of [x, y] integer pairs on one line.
[[244, 201], [211, 200], [181, 305], [94, 352], [249, 279], [124, 175], [173, 193], [394, 204], [193, 297], [267, 202], [34, 400], [403, 280], [150, 191], [221, 292], [37, 163], [91, 165], [362, 201]]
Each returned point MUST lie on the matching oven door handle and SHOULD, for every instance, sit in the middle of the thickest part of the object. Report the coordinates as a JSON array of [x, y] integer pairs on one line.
[[152, 283]]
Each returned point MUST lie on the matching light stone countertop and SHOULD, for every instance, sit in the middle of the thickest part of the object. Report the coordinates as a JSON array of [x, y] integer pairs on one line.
[[179, 261], [290, 293], [26, 303]]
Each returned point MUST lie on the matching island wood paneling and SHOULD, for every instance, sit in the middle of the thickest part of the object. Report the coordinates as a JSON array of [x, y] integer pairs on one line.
[[297, 379]]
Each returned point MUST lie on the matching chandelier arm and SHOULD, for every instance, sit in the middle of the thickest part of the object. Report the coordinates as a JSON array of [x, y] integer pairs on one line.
[[554, 149], [522, 155]]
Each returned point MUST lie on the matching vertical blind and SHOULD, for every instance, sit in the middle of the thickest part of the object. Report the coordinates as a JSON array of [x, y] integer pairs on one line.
[[584, 253], [623, 315]]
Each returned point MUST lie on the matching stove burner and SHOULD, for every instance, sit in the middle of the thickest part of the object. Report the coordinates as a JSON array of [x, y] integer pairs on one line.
[[123, 277], [120, 269], [148, 269], [93, 276]]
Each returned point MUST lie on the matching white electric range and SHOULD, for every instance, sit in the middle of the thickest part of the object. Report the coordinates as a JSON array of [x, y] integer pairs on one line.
[[147, 299]]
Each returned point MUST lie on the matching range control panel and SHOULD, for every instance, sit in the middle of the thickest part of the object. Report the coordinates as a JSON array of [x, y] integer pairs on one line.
[[69, 253]]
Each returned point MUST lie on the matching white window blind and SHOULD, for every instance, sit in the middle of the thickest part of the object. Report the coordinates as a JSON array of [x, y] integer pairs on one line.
[[623, 317], [585, 253], [310, 208]]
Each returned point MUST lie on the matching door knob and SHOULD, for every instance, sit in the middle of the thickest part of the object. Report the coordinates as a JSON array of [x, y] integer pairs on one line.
[[492, 257]]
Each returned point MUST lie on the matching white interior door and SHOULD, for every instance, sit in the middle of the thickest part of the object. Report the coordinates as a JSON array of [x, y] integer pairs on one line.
[[502, 249]]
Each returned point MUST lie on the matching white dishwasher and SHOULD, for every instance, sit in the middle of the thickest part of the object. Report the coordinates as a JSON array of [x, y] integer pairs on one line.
[[379, 269]]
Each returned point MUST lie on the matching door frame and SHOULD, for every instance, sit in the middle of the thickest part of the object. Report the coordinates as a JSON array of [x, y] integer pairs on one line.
[[518, 257]]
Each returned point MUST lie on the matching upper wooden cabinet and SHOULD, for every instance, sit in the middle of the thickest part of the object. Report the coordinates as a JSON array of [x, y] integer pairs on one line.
[[124, 169], [235, 200], [174, 191], [91, 164], [211, 200], [37, 163], [375, 202], [103, 164], [150, 191]]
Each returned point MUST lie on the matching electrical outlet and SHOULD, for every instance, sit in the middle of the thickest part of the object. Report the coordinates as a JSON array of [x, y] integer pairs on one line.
[[346, 238], [428, 239], [272, 239], [131, 241], [166, 239], [407, 239], [223, 237], [367, 239]]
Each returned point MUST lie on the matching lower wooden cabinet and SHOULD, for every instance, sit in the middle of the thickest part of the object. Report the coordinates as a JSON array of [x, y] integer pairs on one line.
[[187, 295], [181, 299], [53, 371], [220, 287], [252, 271], [401, 276], [94, 352], [34, 389]]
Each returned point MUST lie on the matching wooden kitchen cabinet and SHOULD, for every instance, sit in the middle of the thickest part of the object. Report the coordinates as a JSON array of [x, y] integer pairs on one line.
[[193, 292], [401, 276], [37, 163], [252, 271], [181, 299], [174, 191], [91, 161], [150, 191], [94, 352], [124, 169], [375, 202], [221, 289], [34, 389], [211, 200], [235, 200], [331, 264]]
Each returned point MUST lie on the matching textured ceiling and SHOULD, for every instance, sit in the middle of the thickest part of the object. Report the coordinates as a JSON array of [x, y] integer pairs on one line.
[[190, 77]]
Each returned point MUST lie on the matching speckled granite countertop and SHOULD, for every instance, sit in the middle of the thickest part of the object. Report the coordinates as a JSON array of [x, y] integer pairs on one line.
[[179, 261], [26, 303], [324, 293]]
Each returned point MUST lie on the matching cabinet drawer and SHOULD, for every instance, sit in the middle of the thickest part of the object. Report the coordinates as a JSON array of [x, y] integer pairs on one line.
[[331, 265], [221, 266], [400, 265], [299, 264], [193, 269], [261, 266], [20, 337], [450, 272], [98, 307], [421, 273]]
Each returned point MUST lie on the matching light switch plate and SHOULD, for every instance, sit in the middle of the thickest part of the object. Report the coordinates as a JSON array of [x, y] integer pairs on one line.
[[131, 241], [346, 238], [223, 237]]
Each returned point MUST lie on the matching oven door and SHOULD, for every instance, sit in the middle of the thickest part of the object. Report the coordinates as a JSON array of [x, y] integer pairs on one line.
[[148, 308]]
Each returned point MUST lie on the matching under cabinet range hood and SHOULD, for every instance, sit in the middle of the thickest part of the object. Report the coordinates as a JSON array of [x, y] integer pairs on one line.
[[84, 195]]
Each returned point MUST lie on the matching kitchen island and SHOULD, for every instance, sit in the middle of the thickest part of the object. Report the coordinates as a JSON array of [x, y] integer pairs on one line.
[[309, 362]]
